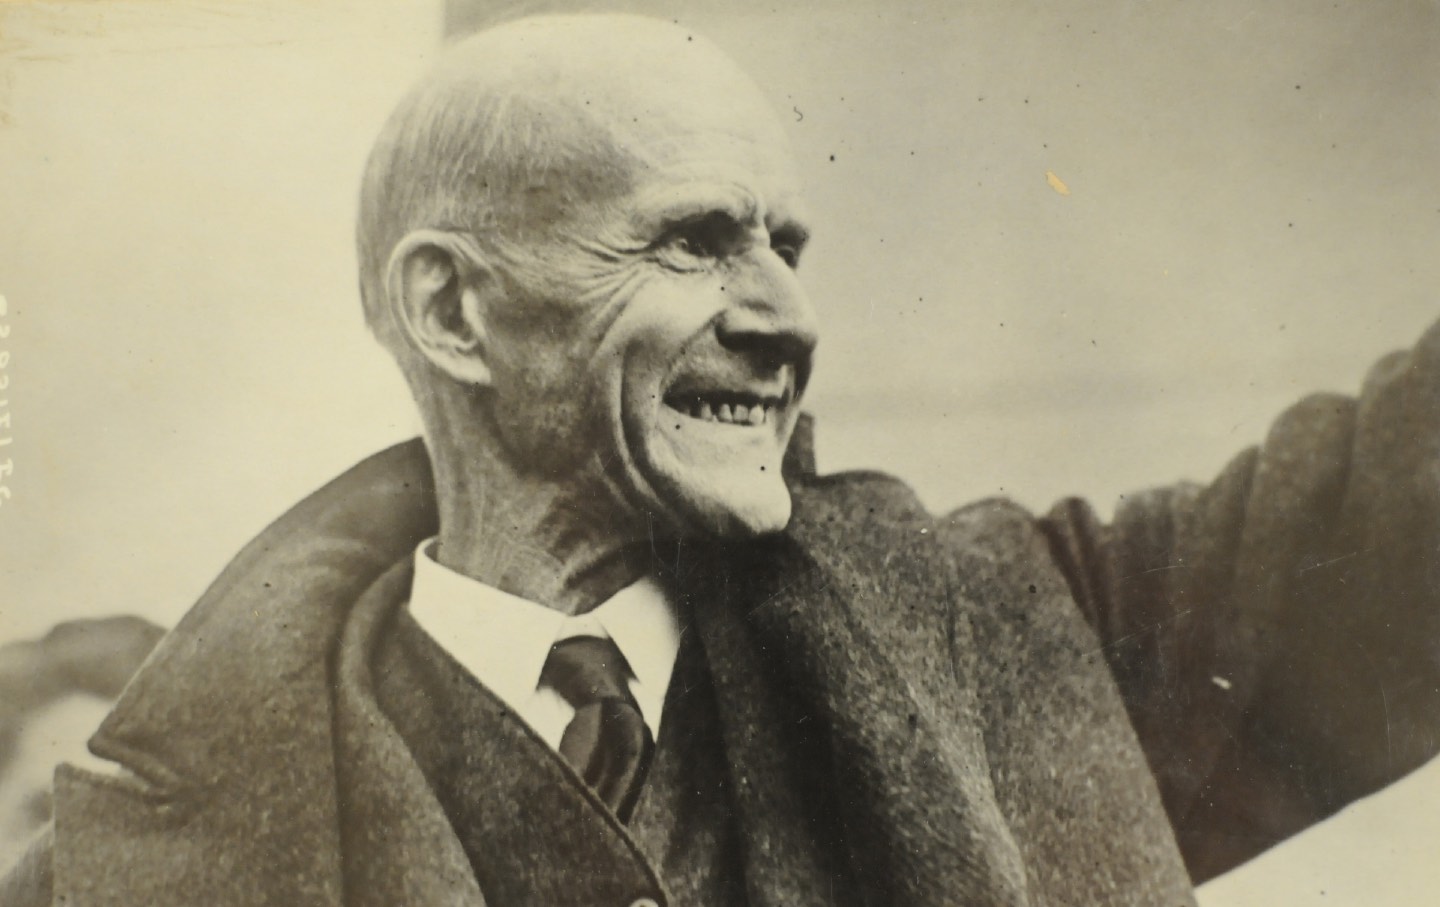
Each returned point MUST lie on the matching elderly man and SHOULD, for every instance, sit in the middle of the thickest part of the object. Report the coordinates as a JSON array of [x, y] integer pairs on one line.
[[606, 637]]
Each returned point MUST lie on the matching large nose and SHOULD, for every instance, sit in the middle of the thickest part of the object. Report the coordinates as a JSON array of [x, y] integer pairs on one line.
[[770, 317]]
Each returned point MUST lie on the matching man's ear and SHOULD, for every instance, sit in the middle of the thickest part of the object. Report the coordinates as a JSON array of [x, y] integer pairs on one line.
[[437, 284]]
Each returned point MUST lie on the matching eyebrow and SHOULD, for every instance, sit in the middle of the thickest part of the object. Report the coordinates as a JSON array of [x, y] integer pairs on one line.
[[662, 208]]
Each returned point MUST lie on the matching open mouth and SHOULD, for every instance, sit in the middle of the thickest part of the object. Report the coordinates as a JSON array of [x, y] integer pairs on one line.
[[726, 407]]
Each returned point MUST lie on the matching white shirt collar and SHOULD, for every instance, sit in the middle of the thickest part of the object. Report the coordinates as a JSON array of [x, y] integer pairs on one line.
[[504, 640]]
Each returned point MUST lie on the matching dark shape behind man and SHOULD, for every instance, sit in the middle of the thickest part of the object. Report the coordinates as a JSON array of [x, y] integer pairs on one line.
[[50, 691], [578, 239]]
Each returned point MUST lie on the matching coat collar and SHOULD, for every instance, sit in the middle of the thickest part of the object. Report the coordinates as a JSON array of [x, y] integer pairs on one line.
[[225, 734]]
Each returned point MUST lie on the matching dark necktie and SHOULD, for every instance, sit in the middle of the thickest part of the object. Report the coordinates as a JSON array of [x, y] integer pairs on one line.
[[607, 741]]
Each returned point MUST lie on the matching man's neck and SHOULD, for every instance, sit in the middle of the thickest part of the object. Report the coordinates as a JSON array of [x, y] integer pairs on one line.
[[524, 558], [545, 541]]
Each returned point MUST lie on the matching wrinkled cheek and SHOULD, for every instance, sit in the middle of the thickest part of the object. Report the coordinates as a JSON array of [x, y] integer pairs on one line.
[[539, 404], [606, 292]]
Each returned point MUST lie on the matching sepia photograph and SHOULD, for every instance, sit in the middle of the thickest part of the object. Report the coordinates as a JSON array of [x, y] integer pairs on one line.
[[541, 452]]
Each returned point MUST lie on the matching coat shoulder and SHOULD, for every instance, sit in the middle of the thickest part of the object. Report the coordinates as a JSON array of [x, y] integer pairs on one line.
[[1017, 602], [870, 516], [863, 497], [998, 543]]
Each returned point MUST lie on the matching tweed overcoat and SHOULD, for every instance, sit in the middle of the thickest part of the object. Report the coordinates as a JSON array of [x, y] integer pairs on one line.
[[986, 707]]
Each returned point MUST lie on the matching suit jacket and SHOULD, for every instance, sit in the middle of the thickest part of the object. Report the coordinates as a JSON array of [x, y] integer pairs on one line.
[[984, 708]]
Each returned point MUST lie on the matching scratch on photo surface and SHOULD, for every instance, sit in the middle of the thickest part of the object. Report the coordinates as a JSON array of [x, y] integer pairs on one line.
[[1334, 560], [1384, 698], [1152, 570], [1148, 628]]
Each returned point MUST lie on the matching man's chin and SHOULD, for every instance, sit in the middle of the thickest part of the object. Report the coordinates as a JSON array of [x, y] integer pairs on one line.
[[728, 507], [715, 479]]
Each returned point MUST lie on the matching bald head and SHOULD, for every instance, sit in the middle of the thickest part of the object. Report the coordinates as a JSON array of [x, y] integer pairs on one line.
[[521, 134]]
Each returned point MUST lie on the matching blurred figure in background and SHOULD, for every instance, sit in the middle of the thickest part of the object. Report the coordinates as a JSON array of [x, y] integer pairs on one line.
[[53, 693]]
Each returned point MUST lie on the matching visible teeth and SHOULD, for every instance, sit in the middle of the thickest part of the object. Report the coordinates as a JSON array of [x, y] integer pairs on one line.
[[752, 414]]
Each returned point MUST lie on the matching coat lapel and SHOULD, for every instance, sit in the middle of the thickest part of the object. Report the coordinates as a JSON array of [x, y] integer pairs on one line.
[[397, 845]]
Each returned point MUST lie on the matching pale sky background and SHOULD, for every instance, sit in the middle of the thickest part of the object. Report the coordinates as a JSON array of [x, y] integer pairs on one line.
[[1254, 212]]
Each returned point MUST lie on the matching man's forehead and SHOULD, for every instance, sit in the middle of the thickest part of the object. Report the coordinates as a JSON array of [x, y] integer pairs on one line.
[[567, 117]]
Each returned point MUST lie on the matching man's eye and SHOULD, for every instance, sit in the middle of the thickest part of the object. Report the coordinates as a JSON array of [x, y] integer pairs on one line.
[[707, 237], [788, 242], [714, 237], [698, 242], [694, 244], [788, 253]]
